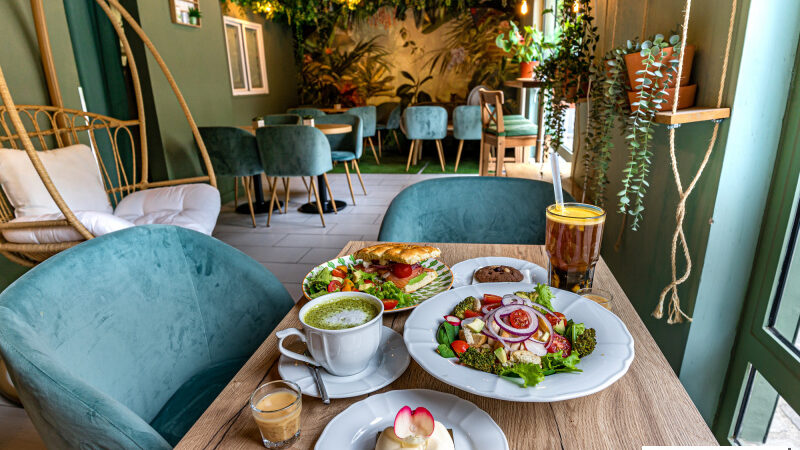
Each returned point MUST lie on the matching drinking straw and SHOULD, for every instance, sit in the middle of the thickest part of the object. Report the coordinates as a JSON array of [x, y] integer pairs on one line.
[[559, 194]]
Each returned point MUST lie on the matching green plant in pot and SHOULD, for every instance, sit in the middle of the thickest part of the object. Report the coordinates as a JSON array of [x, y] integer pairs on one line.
[[525, 49], [194, 16]]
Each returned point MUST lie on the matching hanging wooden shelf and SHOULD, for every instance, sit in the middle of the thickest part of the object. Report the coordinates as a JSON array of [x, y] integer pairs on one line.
[[694, 114]]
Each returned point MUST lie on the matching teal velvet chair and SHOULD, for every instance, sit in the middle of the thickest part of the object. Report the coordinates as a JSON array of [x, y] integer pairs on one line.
[[466, 127], [479, 210], [302, 112], [295, 151], [424, 123], [388, 116], [234, 153], [368, 116], [124, 340], [347, 148], [283, 119]]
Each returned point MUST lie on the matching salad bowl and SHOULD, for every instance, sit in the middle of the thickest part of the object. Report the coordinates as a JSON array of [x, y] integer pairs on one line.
[[610, 360]]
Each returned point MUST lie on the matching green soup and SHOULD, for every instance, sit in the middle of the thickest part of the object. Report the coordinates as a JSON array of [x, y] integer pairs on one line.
[[342, 313]]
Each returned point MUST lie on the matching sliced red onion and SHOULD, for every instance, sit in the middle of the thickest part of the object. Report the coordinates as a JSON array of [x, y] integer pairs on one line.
[[485, 310], [488, 331], [452, 320], [530, 329], [549, 328], [535, 347]]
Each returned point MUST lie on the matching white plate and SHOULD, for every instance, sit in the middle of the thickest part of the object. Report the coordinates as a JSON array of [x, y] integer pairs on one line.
[[357, 427], [463, 272], [610, 360], [390, 361]]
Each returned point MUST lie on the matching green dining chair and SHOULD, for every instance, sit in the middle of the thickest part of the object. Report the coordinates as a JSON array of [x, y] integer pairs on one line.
[[124, 340], [424, 123], [368, 116], [285, 119], [388, 116], [234, 153], [295, 151], [466, 127], [475, 210], [303, 111], [346, 148]]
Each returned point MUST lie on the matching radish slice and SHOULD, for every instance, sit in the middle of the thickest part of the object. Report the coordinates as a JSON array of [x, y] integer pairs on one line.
[[535, 347], [415, 426], [452, 320]]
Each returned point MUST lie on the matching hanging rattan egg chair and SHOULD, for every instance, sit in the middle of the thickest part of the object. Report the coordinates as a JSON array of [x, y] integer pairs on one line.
[[123, 166]]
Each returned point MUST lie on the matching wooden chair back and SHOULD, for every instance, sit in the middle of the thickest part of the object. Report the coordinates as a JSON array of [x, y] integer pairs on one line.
[[492, 109]]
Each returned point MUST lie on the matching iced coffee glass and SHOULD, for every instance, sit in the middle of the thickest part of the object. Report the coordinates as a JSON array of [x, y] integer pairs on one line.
[[276, 408], [574, 232]]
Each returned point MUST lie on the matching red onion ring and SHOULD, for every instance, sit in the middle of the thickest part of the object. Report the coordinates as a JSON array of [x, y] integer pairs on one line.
[[502, 311], [549, 328], [516, 338], [535, 347]]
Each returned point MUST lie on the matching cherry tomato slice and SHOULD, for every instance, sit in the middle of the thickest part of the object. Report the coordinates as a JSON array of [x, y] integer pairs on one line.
[[519, 319], [348, 286], [555, 318], [495, 306], [334, 286], [558, 342], [401, 270], [338, 273], [389, 304], [459, 347], [470, 313], [490, 299]]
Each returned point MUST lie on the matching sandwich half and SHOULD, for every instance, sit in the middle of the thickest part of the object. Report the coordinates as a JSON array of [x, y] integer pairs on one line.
[[400, 264]]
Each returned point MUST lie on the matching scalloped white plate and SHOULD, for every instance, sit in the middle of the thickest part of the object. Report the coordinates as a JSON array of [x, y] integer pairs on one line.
[[608, 363], [464, 272], [357, 427]]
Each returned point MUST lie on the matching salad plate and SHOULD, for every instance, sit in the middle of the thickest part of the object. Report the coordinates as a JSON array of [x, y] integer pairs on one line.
[[464, 272], [358, 426], [442, 282], [612, 355], [390, 361]]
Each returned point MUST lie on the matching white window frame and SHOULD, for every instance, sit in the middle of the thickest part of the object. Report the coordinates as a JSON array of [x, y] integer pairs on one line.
[[245, 61]]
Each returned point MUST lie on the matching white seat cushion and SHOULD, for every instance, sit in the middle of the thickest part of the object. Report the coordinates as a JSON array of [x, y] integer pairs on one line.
[[73, 170], [98, 223], [192, 206]]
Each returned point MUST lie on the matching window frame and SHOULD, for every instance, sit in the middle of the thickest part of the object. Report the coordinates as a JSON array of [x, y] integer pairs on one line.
[[243, 26]]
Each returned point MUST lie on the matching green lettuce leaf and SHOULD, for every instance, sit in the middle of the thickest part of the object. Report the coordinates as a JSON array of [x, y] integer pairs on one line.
[[531, 374], [555, 363], [544, 296]]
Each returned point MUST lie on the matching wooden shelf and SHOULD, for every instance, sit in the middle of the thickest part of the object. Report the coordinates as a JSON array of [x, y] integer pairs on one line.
[[694, 114]]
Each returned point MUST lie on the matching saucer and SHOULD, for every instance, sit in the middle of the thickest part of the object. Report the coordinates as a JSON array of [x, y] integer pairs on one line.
[[389, 362], [464, 272]]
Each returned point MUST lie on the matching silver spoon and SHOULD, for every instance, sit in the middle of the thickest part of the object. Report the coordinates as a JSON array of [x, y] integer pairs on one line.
[[323, 393]]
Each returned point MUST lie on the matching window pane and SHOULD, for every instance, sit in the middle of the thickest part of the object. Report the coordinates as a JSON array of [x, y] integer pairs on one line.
[[786, 317], [767, 418], [235, 56], [253, 58]]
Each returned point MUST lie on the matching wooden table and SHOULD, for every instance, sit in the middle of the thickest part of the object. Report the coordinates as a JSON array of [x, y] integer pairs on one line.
[[647, 406], [334, 110], [523, 84], [326, 128]]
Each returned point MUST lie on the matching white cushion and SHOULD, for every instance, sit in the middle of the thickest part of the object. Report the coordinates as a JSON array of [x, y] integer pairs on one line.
[[98, 223], [73, 170], [192, 206]]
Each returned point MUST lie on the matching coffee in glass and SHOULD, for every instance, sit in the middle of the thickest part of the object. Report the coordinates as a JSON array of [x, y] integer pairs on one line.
[[574, 232]]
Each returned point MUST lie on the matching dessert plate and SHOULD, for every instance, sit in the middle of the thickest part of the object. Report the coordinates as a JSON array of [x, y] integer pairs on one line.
[[358, 426], [389, 363], [463, 272]]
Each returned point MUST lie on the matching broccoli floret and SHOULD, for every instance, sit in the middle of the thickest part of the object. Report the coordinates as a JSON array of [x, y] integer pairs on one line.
[[585, 343], [470, 303], [482, 359]]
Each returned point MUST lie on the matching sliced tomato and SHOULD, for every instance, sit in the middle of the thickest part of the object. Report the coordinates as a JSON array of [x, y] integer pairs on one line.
[[555, 318], [342, 268], [490, 299], [389, 304], [495, 306], [558, 342], [470, 313], [334, 286], [519, 319], [401, 270], [338, 273], [459, 347]]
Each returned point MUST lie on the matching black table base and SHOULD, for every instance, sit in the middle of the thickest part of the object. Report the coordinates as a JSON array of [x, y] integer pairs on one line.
[[327, 207], [260, 206]]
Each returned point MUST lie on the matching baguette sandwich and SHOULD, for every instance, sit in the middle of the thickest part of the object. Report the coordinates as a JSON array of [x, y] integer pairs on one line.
[[400, 264]]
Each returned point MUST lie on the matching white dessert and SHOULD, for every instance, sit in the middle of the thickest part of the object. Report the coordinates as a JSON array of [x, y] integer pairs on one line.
[[439, 440]]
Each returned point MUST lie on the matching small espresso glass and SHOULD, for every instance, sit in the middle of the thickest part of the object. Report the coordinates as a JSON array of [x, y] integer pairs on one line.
[[600, 296], [276, 408]]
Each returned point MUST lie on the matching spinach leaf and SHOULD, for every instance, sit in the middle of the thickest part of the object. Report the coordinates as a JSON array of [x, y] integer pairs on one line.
[[445, 351], [446, 334]]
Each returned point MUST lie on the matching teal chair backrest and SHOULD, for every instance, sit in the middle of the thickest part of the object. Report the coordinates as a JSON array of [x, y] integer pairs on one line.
[[293, 151], [302, 112], [388, 114], [98, 337], [485, 210], [233, 151], [467, 122], [368, 116], [283, 119], [425, 122], [394, 118], [346, 142]]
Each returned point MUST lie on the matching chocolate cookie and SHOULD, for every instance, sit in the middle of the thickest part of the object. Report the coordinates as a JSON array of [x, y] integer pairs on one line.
[[497, 274]]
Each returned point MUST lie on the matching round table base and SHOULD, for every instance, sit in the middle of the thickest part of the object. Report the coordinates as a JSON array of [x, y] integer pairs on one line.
[[259, 208], [311, 208]]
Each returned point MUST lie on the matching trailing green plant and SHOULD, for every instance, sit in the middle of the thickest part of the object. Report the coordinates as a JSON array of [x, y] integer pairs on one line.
[[412, 92], [527, 46], [651, 86]]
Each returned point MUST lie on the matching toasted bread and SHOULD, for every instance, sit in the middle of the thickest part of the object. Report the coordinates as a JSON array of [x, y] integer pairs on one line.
[[399, 253], [430, 275]]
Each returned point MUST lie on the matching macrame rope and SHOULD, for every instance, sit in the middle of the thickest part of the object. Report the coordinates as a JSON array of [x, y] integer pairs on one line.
[[675, 313]]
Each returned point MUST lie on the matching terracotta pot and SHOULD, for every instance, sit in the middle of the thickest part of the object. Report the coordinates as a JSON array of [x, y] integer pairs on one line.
[[685, 98], [526, 69], [634, 63]]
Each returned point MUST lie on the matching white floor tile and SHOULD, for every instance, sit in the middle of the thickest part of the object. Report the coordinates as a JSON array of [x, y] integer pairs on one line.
[[319, 255], [328, 241], [274, 254]]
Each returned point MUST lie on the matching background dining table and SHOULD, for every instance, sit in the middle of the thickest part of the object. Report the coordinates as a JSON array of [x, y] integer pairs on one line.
[[647, 406]]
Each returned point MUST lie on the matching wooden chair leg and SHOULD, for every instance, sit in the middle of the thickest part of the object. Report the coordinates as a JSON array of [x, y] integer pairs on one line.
[[380, 144], [500, 158], [286, 194], [308, 188], [248, 187], [271, 182], [440, 151], [235, 192], [360, 180], [485, 154], [410, 155], [273, 198], [349, 182], [396, 139], [374, 153], [458, 155], [330, 192], [319, 205], [418, 153]]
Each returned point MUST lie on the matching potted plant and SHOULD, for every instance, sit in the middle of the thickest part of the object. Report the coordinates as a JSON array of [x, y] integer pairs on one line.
[[526, 49], [308, 120], [194, 16]]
